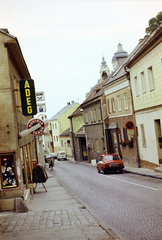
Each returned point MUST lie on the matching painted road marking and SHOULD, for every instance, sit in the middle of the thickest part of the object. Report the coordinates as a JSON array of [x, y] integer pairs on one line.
[[121, 180]]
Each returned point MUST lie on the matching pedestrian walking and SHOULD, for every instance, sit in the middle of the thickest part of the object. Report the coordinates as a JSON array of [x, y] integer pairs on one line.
[[51, 163]]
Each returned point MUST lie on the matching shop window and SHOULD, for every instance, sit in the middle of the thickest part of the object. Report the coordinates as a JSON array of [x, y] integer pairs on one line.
[[8, 170]]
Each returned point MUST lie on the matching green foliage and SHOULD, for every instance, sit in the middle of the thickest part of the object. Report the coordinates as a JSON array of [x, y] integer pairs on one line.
[[153, 23]]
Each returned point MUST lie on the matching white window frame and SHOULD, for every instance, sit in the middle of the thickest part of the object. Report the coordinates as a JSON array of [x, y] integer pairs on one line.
[[136, 85], [113, 104], [151, 78], [109, 106], [143, 82], [119, 103], [143, 135], [95, 115], [86, 117], [126, 100], [99, 114], [92, 118]]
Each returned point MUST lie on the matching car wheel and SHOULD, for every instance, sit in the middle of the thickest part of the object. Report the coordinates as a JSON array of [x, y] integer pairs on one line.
[[121, 170], [98, 170]]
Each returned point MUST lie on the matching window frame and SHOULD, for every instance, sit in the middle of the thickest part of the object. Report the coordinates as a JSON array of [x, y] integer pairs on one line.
[[151, 78], [136, 85], [143, 82]]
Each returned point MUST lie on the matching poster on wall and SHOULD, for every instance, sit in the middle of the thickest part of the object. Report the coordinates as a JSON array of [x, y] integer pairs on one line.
[[8, 170]]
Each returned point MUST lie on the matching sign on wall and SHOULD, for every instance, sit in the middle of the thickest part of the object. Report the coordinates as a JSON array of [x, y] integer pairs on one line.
[[40, 96], [28, 99], [40, 129], [41, 107]]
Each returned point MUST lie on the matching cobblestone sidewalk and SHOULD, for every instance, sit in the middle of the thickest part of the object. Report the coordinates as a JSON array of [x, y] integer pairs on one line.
[[54, 214]]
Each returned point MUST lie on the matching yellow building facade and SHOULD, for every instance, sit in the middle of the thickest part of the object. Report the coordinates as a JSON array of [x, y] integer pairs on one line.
[[16, 155], [59, 123], [145, 66]]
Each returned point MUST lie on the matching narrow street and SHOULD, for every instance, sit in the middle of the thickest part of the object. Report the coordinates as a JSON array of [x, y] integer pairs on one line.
[[130, 204]]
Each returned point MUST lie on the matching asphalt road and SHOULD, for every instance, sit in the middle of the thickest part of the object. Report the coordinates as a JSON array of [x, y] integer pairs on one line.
[[130, 204]]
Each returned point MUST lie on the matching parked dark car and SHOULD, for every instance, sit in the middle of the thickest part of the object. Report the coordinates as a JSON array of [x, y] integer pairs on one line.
[[110, 163]]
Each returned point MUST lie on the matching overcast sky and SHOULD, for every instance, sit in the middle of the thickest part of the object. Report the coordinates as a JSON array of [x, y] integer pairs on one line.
[[63, 42]]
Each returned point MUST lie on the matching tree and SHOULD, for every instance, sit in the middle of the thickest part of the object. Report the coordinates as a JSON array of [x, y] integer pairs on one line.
[[154, 23]]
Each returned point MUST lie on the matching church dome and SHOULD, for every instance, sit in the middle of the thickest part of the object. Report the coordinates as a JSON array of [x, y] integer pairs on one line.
[[120, 53]]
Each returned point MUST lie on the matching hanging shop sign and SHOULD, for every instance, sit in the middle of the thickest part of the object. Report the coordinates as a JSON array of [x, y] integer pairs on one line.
[[8, 170], [40, 123], [28, 99]]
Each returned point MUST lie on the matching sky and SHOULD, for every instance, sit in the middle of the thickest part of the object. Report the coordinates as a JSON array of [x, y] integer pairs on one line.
[[63, 41]]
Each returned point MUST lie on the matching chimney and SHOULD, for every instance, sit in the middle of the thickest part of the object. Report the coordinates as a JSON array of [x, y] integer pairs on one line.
[[68, 103], [72, 102]]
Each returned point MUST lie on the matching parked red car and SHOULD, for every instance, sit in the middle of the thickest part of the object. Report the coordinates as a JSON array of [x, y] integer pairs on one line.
[[110, 163]]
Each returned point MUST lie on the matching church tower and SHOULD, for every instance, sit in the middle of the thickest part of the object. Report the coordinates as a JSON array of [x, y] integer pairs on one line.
[[104, 70], [119, 57]]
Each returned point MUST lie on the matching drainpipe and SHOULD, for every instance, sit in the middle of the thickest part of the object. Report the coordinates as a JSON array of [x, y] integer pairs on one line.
[[72, 135], [103, 130], [137, 150]]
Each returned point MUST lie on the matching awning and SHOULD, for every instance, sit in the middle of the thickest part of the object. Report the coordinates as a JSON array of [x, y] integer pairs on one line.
[[112, 125]]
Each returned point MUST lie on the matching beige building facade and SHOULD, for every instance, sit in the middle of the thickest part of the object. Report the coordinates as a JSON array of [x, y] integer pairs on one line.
[[145, 66], [117, 112], [16, 155]]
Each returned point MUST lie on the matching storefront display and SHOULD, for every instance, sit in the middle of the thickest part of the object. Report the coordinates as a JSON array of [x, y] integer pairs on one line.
[[8, 170]]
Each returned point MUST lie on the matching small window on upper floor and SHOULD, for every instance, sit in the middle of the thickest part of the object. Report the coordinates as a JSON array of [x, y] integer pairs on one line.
[[86, 117], [95, 116], [17, 94], [55, 126], [109, 106], [143, 83], [136, 86], [119, 103], [126, 100], [99, 114], [92, 119], [151, 78], [113, 104]]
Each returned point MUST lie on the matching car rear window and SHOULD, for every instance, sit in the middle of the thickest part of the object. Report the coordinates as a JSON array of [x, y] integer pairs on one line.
[[61, 152], [116, 157], [112, 157]]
